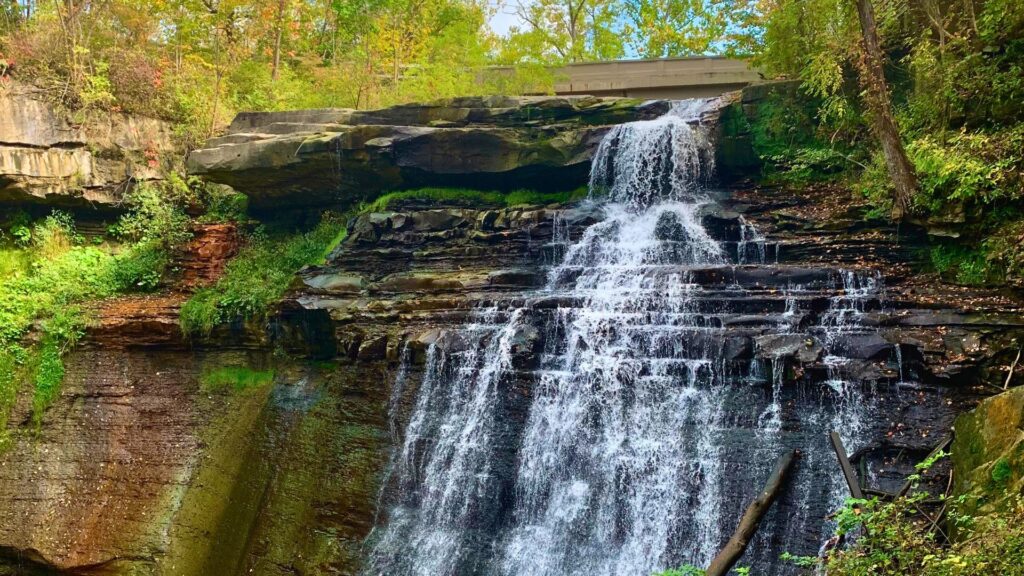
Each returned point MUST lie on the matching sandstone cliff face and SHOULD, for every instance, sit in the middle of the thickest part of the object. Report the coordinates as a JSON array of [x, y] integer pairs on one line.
[[328, 157], [45, 160]]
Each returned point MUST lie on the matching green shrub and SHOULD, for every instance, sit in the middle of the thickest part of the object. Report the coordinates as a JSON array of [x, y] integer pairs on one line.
[[234, 377], [156, 213], [518, 197], [973, 167], [1004, 249], [141, 267], [894, 542], [259, 275], [49, 375], [223, 204], [966, 266]]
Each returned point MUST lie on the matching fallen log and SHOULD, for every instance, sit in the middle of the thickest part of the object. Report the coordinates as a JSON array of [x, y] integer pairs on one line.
[[737, 545], [844, 463], [1009, 375]]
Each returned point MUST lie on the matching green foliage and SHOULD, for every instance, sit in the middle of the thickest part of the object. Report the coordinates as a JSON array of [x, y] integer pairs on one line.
[[894, 542], [60, 333], [236, 378], [257, 278], [141, 267], [519, 197], [440, 195], [156, 213], [49, 271], [97, 91], [223, 204], [155, 227], [796, 145], [969, 168], [963, 265], [801, 561], [58, 274], [1004, 249]]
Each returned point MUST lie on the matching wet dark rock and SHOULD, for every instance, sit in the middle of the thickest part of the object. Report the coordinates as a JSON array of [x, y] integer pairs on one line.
[[801, 347], [517, 277], [870, 346], [669, 227], [373, 348]]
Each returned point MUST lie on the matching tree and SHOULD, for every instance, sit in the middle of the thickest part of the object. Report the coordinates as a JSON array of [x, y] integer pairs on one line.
[[661, 28], [876, 97], [565, 31]]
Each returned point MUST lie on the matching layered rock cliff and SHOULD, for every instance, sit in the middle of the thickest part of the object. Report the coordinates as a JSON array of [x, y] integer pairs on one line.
[[143, 467], [332, 157], [49, 161]]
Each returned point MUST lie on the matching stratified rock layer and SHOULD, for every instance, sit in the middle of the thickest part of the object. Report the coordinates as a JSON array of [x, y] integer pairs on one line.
[[328, 157], [139, 469], [45, 160]]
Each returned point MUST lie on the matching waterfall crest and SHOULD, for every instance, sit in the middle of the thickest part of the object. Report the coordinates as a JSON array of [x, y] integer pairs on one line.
[[624, 456]]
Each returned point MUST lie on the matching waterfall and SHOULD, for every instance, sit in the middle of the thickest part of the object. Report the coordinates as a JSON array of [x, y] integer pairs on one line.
[[643, 425]]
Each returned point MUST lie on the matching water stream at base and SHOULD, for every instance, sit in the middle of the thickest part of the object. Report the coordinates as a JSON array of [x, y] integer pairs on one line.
[[641, 436]]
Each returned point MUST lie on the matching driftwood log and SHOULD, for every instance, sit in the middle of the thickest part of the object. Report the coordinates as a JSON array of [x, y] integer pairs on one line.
[[844, 464], [1009, 375], [732, 551]]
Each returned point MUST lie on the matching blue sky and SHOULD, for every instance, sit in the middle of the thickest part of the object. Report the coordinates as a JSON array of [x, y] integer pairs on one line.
[[504, 17]]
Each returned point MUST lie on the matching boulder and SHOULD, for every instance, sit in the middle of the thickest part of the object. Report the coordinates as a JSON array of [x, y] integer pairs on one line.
[[988, 452], [670, 228]]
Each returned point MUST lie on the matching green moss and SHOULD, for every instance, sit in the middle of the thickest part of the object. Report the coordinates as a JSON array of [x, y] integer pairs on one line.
[[211, 516], [473, 198], [235, 377], [1002, 471], [449, 195], [519, 197]]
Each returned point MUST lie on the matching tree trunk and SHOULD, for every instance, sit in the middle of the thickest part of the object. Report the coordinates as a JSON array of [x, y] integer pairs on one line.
[[737, 545], [876, 96], [281, 5]]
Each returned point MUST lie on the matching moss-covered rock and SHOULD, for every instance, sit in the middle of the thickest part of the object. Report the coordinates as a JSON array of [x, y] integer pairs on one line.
[[988, 452]]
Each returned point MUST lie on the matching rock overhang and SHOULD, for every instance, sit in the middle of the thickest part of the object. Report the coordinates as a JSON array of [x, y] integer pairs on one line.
[[331, 157]]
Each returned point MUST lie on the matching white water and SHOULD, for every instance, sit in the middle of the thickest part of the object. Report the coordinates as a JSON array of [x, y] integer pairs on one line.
[[620, 467]]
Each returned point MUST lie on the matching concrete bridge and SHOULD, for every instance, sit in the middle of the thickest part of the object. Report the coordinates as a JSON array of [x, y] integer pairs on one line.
[[674, 78]]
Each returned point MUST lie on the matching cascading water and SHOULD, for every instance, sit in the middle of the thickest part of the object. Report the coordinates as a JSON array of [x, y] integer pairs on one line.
[[643, 425]]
